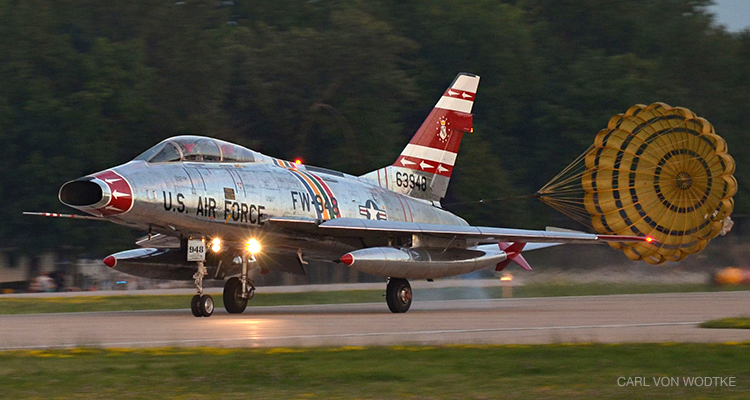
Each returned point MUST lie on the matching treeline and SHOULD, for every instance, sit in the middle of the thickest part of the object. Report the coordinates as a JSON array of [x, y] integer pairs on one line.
[[87, 84]]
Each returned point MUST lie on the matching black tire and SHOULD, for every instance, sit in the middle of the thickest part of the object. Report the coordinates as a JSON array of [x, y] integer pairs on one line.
[[194, 306], [398, 295], [206, 305], [233, 301]]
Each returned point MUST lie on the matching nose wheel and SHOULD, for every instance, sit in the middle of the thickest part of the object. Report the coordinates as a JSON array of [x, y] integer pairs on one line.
[[398, 295], [202, 305]]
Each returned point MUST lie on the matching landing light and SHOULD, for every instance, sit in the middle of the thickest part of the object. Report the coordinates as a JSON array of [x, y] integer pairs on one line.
[[253, 246], [216, 245]]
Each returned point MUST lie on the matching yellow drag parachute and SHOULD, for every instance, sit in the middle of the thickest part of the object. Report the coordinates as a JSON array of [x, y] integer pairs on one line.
[[656, 171]]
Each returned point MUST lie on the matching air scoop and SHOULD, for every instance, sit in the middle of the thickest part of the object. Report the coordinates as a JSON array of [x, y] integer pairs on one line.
[[85, 193], [106, 193]]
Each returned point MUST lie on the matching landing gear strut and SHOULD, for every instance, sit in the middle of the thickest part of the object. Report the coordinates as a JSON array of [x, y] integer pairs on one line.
[[398, 295], [202, 305], [237, 291]]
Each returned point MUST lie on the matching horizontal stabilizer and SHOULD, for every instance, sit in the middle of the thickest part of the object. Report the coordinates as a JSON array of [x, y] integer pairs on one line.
[[513, 252]]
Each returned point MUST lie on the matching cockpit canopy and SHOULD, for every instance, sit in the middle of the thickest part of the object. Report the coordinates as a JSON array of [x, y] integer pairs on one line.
[[196, 148]]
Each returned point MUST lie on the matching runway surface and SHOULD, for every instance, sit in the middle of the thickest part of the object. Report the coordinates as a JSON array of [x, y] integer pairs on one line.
[[601, 319]]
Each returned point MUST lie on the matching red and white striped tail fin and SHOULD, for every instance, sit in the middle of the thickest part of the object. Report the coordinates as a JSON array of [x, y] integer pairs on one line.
[[425, 166]]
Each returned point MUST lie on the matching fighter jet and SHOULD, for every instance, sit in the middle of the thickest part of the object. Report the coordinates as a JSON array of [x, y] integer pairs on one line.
[[217, 210]]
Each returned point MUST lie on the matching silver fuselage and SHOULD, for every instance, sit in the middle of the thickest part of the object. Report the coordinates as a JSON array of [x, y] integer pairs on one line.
[[235, 201]]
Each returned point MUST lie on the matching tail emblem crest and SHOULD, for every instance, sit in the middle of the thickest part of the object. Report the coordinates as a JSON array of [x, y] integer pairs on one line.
[[443, 125]]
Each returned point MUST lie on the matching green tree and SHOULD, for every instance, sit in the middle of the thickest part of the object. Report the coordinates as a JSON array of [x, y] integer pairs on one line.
[[85, 85], [330, 96]]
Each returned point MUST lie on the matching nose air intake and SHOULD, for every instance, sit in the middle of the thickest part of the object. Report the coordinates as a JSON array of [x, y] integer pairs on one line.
[[83, 193], [103, 194]]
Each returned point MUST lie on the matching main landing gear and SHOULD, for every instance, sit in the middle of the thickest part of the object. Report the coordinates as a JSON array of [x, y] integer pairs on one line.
[[238, 290], [398, 295], [202, 305]]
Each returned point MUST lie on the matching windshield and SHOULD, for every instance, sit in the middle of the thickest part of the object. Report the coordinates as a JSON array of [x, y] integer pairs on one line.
[[196, 148]]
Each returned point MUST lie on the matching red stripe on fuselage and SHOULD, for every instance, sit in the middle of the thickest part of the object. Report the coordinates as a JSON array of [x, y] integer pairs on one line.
[[402, 207], [325, 186], [410, 213]]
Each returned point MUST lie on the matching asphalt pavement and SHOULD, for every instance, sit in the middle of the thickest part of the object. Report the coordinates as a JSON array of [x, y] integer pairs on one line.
[[665, 317]]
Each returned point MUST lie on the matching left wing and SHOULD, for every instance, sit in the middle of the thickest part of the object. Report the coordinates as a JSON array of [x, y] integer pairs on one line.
[[353, 227]]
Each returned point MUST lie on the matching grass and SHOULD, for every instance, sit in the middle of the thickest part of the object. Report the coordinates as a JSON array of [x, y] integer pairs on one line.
[[728, 323], [159, 302], [453, 372]]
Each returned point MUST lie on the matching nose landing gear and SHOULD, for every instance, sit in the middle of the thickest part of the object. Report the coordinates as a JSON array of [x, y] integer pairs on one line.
[[202, 305]]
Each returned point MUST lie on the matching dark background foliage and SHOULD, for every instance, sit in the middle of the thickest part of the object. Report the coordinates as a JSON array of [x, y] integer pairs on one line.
[[87, 84]]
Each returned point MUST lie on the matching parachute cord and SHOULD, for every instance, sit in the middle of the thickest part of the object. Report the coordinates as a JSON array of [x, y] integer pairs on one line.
[[482, 201], [554, 182]]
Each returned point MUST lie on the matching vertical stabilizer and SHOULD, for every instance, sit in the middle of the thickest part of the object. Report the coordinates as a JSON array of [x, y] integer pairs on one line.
[[425, 166]]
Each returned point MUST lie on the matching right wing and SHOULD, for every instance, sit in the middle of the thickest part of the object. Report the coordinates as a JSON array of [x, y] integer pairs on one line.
[[159, 241]]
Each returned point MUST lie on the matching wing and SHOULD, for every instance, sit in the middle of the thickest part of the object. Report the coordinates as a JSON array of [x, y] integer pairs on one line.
[[357, 228], [159, 241]]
